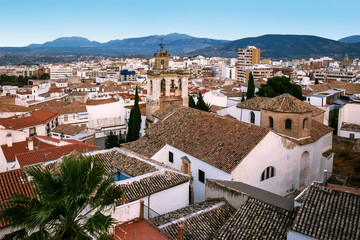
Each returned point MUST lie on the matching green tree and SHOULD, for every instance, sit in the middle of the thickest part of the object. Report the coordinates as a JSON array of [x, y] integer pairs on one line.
[[201, 104], [316, 81], [278, 85], [134, 123], [242, 98], [251, 87], [68, 203], [192, 102], [112, 140]]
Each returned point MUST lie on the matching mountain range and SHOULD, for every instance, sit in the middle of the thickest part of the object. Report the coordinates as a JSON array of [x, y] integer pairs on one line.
[[274, 46]]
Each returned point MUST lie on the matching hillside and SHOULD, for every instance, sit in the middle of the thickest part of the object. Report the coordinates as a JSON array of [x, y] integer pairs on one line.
[[277, 46], [351, 39]]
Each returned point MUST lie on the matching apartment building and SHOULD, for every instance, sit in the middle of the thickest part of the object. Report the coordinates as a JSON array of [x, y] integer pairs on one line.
[[247, 57]]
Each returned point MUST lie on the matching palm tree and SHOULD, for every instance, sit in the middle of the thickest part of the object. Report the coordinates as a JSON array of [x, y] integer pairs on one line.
[[68, 203]]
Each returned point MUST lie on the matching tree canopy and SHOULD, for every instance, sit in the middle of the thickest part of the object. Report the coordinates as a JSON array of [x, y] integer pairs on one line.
[[68, 203], [113, 140], [201, 104], [134, 123], [192, 102], [278, 85], [251, 87]]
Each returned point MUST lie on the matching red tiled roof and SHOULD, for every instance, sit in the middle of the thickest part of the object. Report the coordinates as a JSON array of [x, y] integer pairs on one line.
[[36, 118], [21, 147], [12, 182], [53, 153], [100, 101]]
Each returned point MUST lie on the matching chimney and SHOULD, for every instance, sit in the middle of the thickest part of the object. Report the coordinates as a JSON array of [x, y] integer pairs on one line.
[[30, 144], [181, 232], [141, 209], [9, 141]]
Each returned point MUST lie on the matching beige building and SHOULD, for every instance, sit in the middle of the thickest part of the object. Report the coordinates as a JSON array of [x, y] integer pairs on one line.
[[164, 86], [246, 57]]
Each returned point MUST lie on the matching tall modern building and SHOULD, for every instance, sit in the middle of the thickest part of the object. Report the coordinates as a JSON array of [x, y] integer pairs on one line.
[[247, 57]]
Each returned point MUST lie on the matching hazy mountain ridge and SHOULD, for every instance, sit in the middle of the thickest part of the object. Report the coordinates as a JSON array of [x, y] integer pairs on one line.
[[350, 39], [285, 46]]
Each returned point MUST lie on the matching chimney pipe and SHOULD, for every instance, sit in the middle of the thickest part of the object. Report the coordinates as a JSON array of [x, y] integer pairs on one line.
[[30, 144], [9, 141], [181, 232], [141, 209]]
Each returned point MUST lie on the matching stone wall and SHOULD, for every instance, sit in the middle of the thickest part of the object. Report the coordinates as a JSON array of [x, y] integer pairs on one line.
[[346, 145]]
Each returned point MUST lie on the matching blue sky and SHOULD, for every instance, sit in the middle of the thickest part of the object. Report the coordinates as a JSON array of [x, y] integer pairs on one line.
[[23, 22]]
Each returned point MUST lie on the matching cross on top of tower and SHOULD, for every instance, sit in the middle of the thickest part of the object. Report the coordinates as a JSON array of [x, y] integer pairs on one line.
[[161, 44]]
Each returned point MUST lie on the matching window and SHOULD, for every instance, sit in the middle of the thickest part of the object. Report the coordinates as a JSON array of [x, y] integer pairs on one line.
[[201, 176], [271, 122], [288, 124], [171, 157], [268, 173], [305, 123], [66, 118], [352, 135], [252, 117]]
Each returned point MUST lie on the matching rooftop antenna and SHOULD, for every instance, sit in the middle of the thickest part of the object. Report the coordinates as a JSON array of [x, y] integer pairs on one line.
[[161, 44]]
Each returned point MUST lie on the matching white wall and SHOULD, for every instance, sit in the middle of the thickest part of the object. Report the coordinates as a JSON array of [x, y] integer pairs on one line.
[[233, 111], [349, 113], [214, 98], [127, 212], [196, 164], [245, 116], [285, 157], [343, 133], [169, 199], [106, 115]]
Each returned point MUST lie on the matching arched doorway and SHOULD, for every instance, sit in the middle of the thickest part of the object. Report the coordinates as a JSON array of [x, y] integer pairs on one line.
[[304, 169]]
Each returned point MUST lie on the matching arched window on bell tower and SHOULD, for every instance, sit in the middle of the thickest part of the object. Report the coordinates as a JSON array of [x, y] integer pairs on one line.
[[271, 123]]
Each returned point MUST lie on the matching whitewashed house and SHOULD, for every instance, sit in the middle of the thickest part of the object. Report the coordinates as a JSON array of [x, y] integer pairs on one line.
[[280, 158]]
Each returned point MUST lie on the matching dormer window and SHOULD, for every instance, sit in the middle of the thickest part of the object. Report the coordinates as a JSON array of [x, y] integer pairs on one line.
[[269, 172]]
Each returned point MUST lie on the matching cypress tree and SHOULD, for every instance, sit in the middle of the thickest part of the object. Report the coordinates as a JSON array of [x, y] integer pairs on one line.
[[134, 123], [192, 102], [201, 105], [251, 87]]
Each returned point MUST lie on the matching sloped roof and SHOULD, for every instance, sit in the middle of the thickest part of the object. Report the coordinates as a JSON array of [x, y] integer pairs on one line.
[[36, 118], [13, 182], [162, 114], [253, 103], [217, 140], [329, 214], [201, 220], [286, 103], [154, 183], [146, 146], [100, 101], [69, 129], [21, 147], [350, 88], [257, 220], [13, 108], [130, 165], [318, 130], [55, 152]]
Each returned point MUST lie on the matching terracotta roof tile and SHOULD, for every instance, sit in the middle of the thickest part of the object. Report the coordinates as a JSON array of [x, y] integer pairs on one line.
[[69, 129], [253, 103], [318, 130], [329, 214], [13, 108], [21, 147], [13, 182], [36, 118], [146, 146], [201, 221], [130, 165], [100, 101], [287, 104], [217, 140], [154, 183], [53, 153], [350, 127], [257, 220]]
